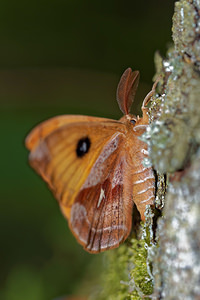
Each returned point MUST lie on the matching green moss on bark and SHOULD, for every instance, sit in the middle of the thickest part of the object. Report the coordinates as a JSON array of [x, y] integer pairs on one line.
[[127, 271]]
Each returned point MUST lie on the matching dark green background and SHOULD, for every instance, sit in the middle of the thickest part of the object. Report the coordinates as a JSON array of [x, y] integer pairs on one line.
[[60, 57]]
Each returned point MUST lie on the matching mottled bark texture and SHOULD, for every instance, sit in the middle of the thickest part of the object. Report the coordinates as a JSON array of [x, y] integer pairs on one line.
[[174, 139], [170, 267]]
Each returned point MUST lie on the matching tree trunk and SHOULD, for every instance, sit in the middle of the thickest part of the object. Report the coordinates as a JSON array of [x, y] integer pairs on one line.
[[174, 141]]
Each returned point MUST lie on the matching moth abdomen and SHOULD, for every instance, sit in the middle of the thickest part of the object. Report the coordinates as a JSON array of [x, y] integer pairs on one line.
[[143, 188]]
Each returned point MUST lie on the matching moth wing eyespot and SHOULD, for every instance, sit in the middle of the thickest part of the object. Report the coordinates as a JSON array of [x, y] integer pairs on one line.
[[83, 146]]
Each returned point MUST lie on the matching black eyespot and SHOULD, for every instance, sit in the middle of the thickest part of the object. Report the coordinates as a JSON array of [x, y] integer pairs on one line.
[[133, 121], [83, 146]]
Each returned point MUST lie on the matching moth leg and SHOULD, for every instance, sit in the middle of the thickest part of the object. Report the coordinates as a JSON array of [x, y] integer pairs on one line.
[[150, 94], [145, 109]]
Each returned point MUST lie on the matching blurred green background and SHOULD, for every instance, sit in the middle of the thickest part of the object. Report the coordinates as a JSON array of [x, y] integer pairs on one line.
[[61, 57]]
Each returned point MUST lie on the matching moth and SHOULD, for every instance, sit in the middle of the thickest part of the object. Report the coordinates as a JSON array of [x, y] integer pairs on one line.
[[94, 167]]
